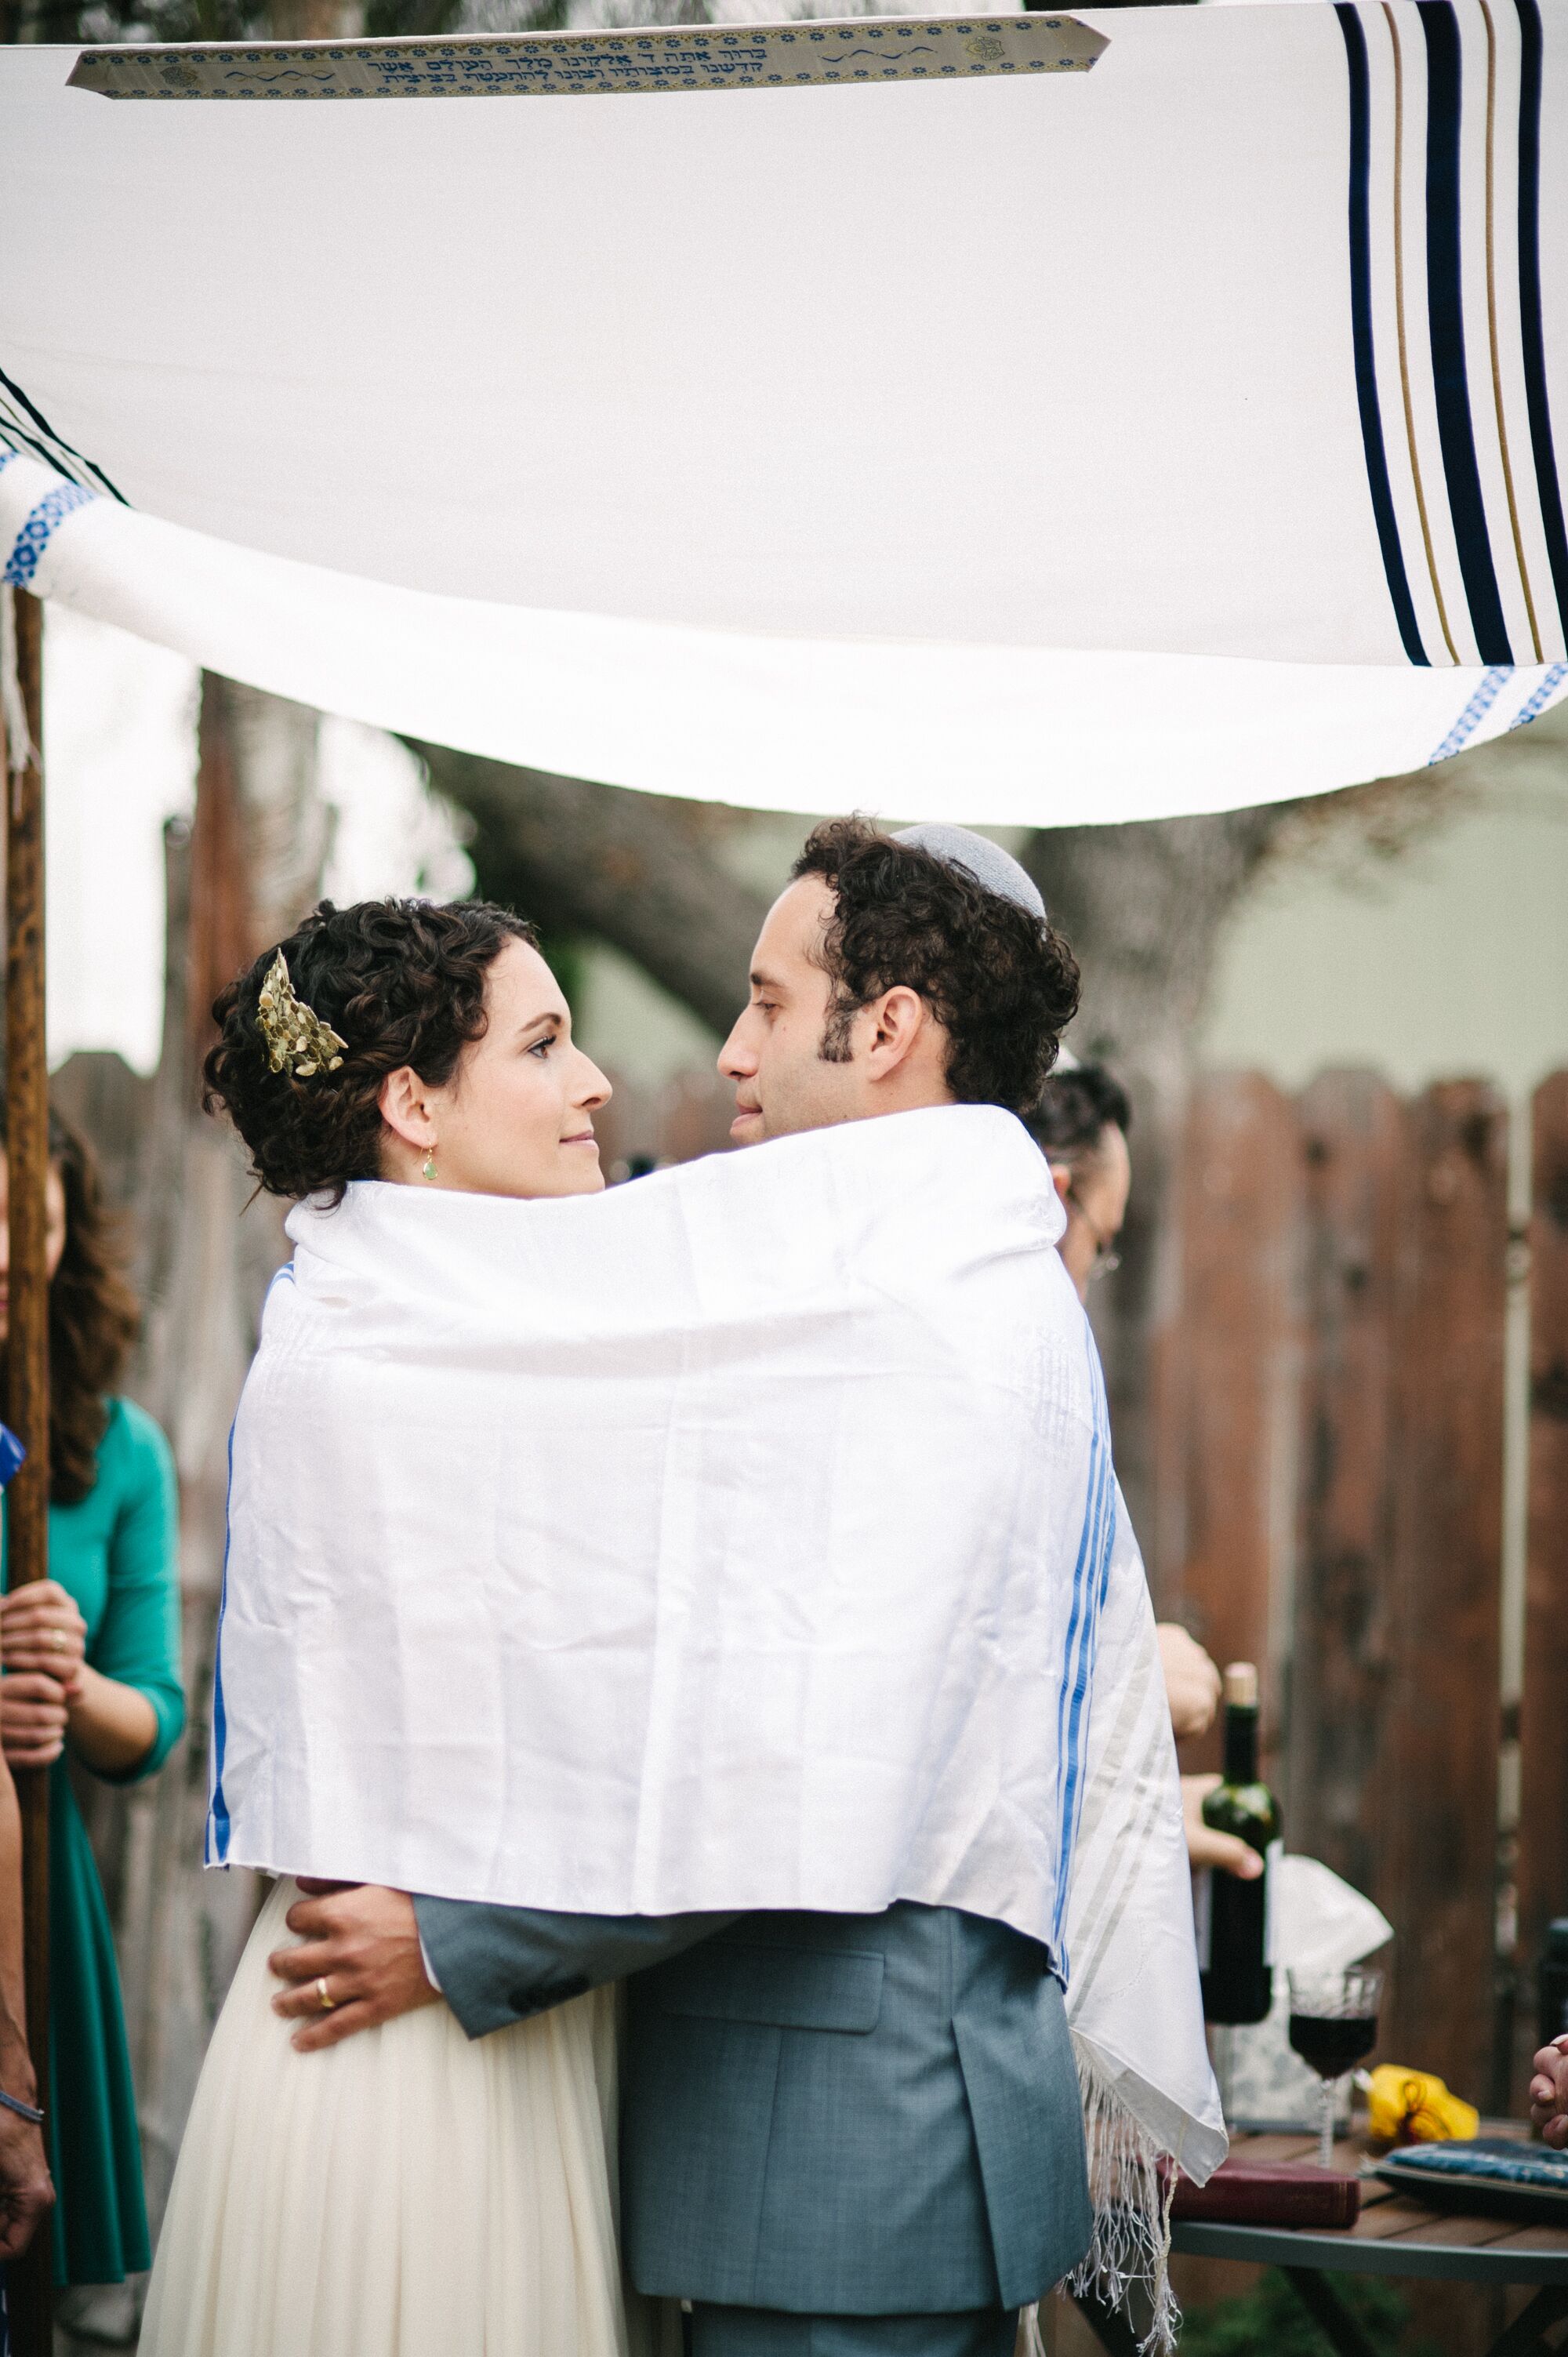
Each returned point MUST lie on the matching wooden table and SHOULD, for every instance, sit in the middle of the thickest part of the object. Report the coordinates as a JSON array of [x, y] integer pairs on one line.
[[1393, 2236]]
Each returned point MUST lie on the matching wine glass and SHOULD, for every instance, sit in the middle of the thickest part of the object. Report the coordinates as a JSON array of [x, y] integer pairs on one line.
[[1333, 2025]]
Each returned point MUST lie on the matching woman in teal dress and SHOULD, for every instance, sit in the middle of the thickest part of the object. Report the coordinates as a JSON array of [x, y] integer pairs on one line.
[[91, 1663]]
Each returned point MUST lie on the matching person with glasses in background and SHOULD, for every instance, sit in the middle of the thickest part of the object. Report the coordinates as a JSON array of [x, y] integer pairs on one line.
[[1081, 1126]]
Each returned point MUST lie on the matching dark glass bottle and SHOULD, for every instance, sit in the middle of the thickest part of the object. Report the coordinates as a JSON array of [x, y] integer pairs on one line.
[[1233, 1916]]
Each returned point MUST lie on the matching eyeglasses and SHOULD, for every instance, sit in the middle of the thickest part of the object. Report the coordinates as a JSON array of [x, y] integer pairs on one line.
[[1106, 1257]]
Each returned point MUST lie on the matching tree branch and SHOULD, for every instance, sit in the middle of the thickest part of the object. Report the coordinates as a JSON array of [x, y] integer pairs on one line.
[[638, 870]]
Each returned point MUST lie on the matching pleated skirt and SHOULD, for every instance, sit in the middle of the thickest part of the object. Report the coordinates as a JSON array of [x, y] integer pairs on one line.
[[99, 2222], [406, 2193]]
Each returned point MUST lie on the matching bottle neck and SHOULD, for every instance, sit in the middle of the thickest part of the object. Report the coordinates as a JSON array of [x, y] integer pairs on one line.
[[1241, 1743]]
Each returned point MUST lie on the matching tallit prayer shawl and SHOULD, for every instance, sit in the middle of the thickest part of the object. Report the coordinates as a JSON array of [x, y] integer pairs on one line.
[[1049, 426], [745, 1537]]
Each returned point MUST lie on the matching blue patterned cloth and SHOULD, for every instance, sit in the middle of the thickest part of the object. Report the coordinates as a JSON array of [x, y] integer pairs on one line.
[[1493, 2156]]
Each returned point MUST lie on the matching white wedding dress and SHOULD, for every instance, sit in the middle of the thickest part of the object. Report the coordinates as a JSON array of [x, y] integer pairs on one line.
[[405, 2193]]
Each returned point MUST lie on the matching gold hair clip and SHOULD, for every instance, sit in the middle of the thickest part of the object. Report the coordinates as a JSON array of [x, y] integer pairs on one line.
[[294, 1033]]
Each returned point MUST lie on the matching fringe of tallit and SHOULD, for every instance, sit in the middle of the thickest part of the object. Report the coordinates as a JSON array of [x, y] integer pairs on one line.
[[1131, 2184]]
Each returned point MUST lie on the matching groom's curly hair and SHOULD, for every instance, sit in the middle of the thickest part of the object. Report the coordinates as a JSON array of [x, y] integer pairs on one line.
[[400, 981], [1002, 982]]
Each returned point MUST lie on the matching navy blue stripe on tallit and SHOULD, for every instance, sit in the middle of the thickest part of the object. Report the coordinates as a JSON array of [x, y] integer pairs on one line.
[[11, 436], [1533, 337], [64, 457], [216, 1847], [1445, 315], [1365, 352]]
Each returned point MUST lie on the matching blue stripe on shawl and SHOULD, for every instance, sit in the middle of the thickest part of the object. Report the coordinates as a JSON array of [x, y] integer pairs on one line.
[[1094, 1601], [1091, 1577], [217, 1843]]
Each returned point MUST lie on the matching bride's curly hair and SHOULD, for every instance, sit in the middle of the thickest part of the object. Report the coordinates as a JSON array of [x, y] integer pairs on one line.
[[400, 981]]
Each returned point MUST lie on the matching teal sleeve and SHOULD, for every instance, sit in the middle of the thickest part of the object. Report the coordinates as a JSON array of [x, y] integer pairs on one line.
[[138, 1638]]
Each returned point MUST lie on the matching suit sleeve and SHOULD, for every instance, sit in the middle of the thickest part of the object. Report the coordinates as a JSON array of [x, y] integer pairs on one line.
[[494, 1965]]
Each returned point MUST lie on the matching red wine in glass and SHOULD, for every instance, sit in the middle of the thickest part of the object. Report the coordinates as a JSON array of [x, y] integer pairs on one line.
[[1334, 2025], [1334, 2043]]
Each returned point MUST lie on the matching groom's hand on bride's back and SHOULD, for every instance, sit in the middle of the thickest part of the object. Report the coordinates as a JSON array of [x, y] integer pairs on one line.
[[359, 1962]]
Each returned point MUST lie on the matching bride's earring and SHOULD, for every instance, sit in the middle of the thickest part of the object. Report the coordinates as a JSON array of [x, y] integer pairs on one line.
[[427, 1167]]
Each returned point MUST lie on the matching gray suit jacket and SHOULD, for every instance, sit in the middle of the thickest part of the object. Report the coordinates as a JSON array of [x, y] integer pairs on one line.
[[864, 2114]]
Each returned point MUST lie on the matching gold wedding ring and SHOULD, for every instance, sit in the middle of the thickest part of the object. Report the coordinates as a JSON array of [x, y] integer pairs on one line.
[[57, 1639], [326, 2001]]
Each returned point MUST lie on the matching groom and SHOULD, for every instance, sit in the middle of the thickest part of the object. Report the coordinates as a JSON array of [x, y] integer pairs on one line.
[[842, 2136]]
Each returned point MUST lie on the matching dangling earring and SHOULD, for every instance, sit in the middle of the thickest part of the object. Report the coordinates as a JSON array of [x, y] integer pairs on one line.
[[427, 1167]]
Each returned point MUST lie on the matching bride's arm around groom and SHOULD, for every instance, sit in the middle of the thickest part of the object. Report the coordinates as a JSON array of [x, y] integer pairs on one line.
[[382, 1953]]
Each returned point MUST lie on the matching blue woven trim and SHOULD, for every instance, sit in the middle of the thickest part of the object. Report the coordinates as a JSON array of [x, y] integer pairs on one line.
[[1536, 703], [39, 530], [1475, 712]]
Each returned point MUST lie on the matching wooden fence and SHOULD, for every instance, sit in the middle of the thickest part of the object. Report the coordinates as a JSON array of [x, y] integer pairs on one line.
[[1362, 1482]]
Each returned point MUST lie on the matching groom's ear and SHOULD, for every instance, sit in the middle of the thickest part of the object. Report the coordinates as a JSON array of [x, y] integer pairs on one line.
[[902, 1026]]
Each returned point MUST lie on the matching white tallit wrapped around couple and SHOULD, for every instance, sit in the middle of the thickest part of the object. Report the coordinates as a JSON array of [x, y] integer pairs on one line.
[[744, 1538]]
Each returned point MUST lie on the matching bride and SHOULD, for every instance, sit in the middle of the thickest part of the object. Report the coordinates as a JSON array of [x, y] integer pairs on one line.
[[406, 2192]]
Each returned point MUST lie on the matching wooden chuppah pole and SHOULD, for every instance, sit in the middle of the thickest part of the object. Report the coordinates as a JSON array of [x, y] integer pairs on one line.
[[27, 1389]]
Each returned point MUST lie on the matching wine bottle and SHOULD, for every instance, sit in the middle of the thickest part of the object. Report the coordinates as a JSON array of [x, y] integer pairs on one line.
[[1233, 1917]]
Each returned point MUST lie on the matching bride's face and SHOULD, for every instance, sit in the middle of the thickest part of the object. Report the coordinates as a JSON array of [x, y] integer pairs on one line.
[[517, 1116]]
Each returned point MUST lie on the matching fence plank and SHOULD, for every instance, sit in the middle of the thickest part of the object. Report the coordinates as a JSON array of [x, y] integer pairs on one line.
[[1352, 1143], [1544, 1718], [1441, 1718], [1226, 1419]]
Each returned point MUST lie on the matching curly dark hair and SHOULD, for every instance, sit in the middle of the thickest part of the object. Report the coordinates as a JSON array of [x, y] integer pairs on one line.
[[400, 981], [1003, 985], [1076, 1110], [94, 1317]]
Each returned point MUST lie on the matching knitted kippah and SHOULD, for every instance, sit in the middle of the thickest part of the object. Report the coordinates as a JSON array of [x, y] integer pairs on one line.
[[995, 869]]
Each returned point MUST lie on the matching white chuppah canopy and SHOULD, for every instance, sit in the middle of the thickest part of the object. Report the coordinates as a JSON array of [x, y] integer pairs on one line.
[[1142, 411]]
